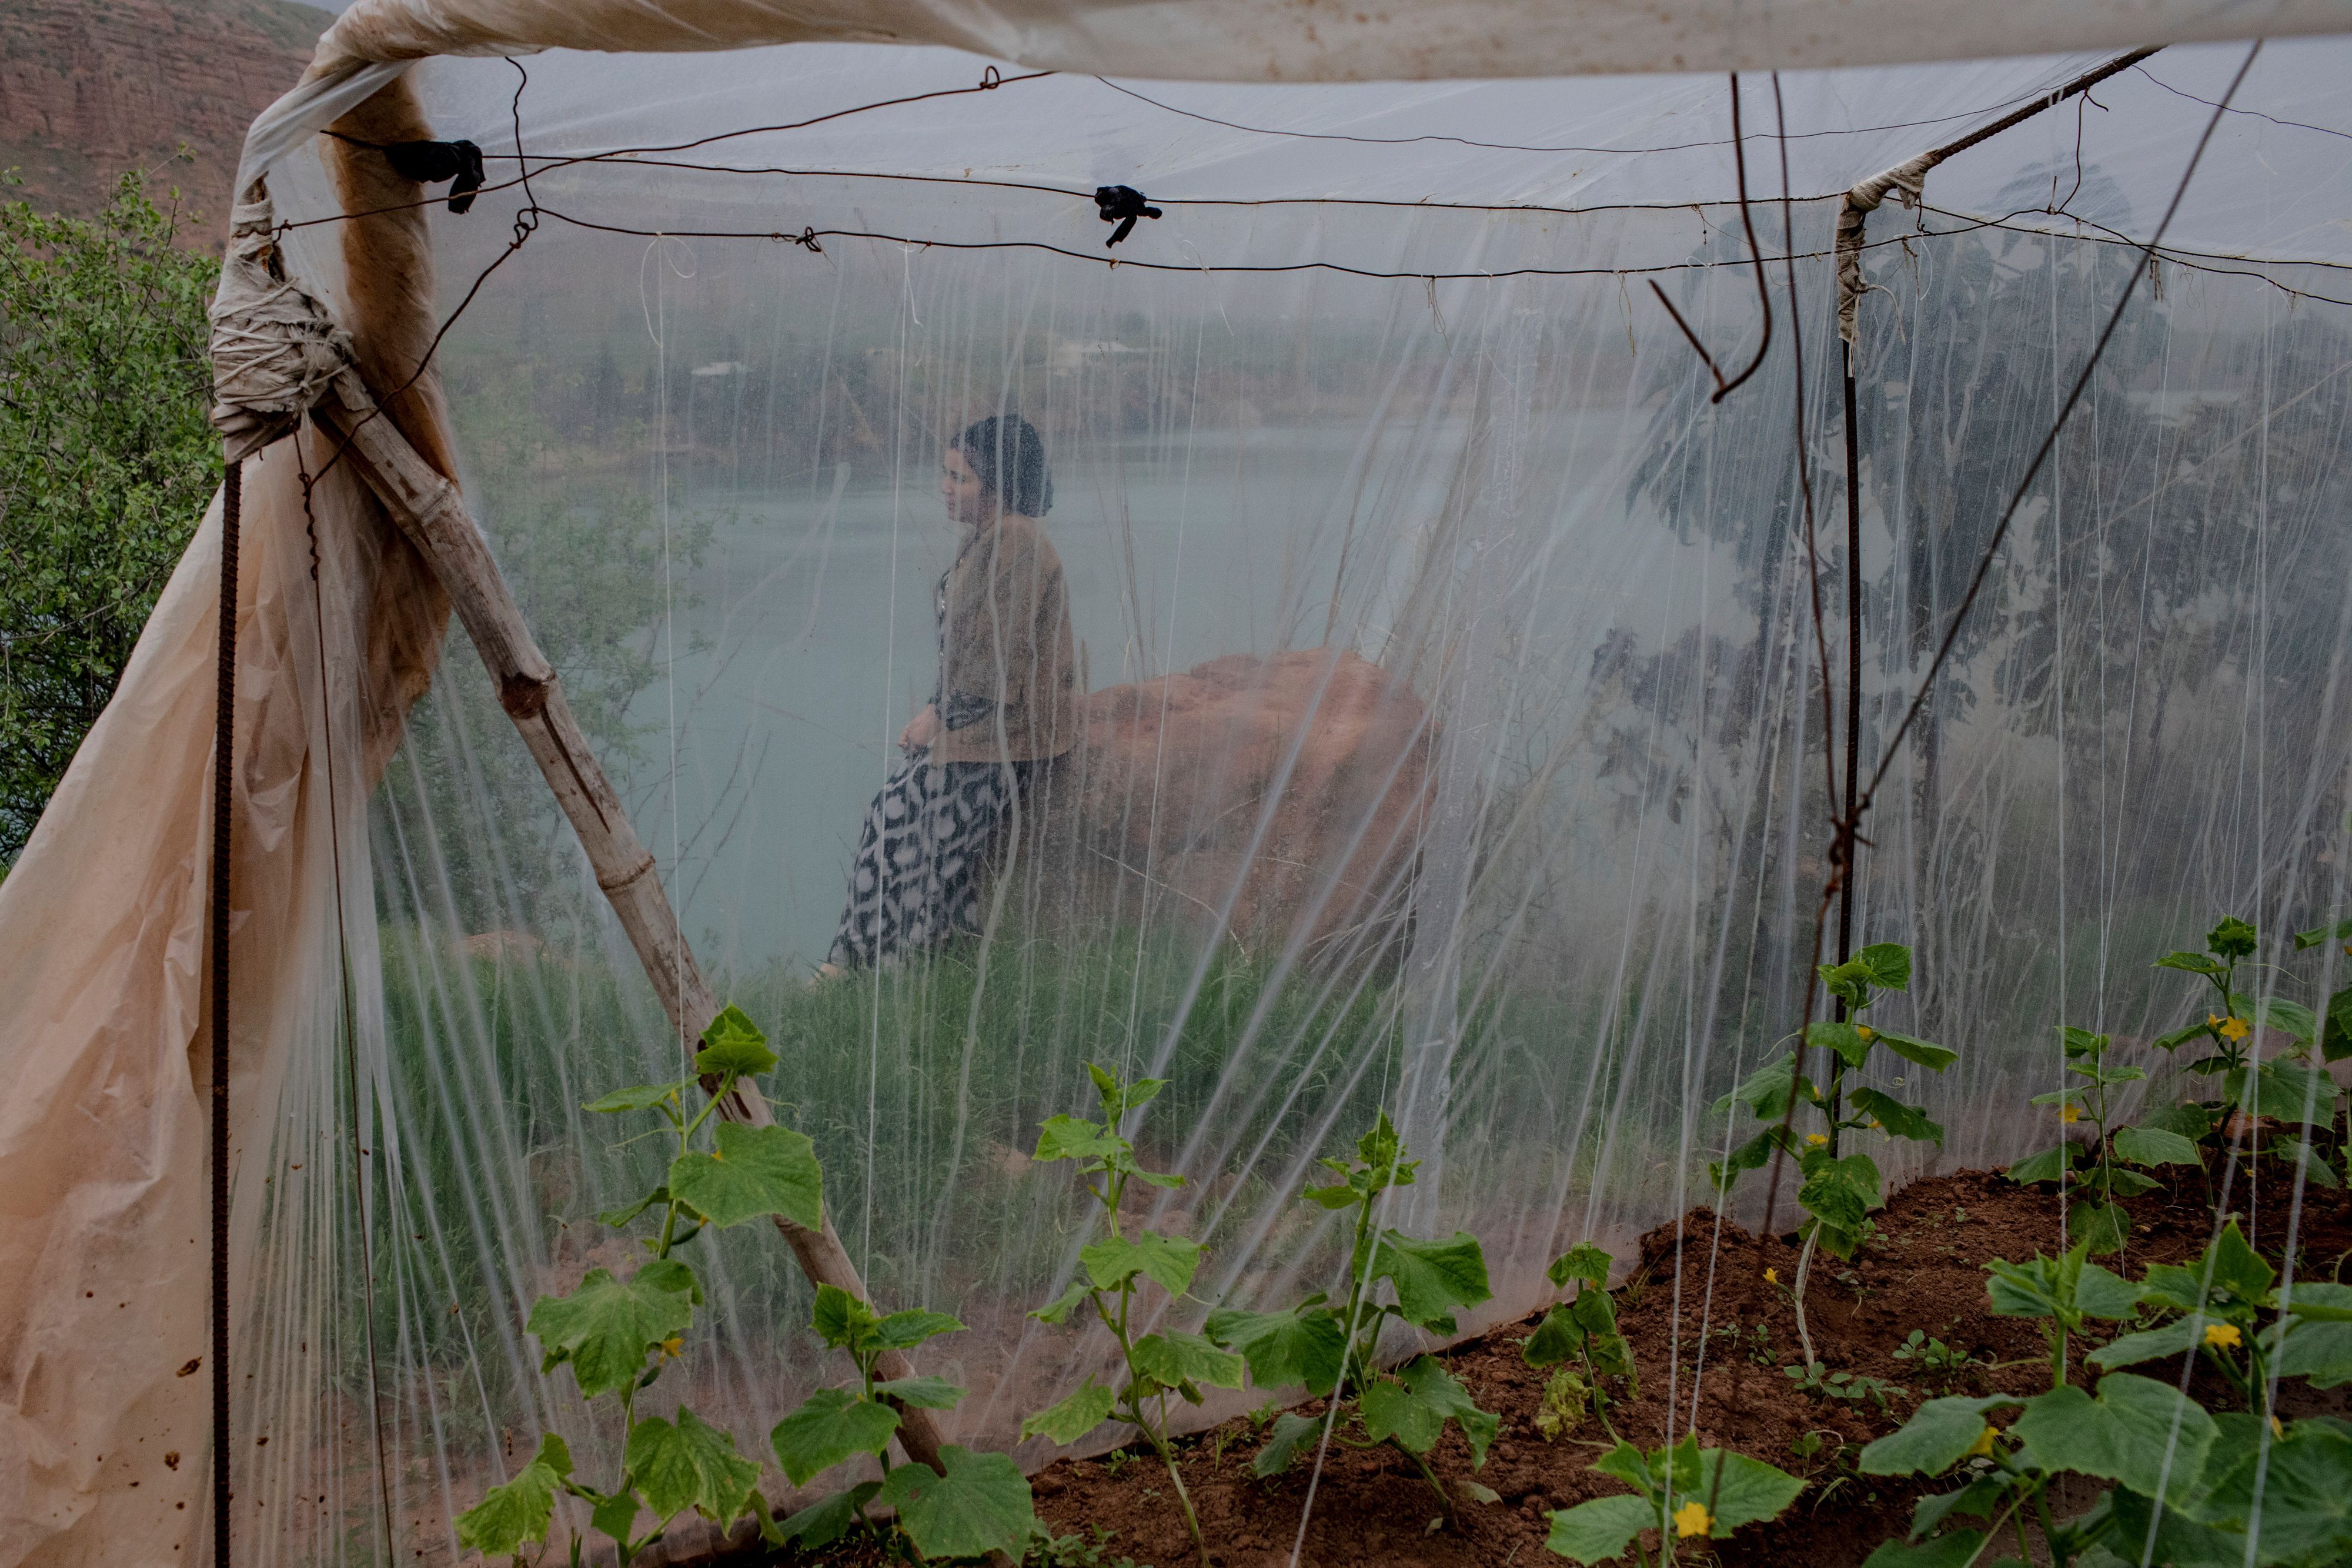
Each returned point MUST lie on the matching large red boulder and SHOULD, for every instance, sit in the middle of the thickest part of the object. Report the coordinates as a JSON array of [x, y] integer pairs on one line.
[[1263, 798]]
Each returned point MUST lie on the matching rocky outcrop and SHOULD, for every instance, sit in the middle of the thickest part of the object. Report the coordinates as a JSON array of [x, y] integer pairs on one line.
[[1265, 798], [90, 88]]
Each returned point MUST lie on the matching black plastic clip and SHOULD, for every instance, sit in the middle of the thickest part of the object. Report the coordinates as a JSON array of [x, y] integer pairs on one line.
[[1121, 204], [430, 162]]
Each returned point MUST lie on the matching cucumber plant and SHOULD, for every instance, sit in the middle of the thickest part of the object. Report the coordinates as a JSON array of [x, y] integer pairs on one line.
[[618, 1336], [2287, 1087], [1112, 1273], [1679, 1491], [1331, 1349], [2168, 1139], [979, 1504], [1837, 1191], [1581, 1330], [2181, 1484]]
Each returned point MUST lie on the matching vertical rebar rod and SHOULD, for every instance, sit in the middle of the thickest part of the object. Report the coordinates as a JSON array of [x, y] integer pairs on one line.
[[224, 733]]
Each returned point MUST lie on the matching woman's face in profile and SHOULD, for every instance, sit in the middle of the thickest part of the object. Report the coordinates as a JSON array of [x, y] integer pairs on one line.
[[967, 499]]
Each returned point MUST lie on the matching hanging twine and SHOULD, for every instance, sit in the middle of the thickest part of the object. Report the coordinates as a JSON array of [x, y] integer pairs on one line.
[[275, 350]]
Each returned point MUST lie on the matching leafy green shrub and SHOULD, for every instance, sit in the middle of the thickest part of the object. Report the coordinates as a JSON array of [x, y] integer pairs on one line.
[[106, 461]]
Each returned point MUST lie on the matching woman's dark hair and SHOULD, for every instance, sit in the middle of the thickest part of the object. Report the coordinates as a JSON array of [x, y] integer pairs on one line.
[[1009, 456]]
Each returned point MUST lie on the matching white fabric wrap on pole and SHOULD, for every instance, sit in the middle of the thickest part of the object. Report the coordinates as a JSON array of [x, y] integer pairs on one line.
[[275, 350], [1269, 40], [1905, 180]]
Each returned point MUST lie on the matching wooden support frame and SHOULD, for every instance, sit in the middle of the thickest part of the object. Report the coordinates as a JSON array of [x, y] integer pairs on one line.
[[429, 509]]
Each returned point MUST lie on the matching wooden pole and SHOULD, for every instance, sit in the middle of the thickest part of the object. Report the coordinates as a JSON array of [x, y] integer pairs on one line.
[[430, 511]]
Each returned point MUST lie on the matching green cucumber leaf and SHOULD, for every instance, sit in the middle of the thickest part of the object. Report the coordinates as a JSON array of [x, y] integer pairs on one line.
[[617, 1217], [1558, 1338], [2168, 1340], [1431, 1276], [1581, 1261], [2153, 1145], [1185, 1361], [922, 1392], [1069, 1138], [1938, 1435], [2103, 1226], [638, 1097], [980, 1505], [1601, 1531], [1739, 1490], [1920, 1053], [1840, 1192], [1959, 1550], [2317, 1347], [1897, 1119], [831, 1425], [518, 1511], [2193, 963], [616, 1515], [821, 1524], [2339, 932], [1291, 1432], [2046, 1165], [732, 1046], [905, 1331], [1889, 964], [754, 1172], [2143, 1433], [1168, 1262], [1073, 1418], [1303, 1345], [690, 1465], [1842, 1038], [1413, 1405], [1058, 1309], [2336, 1031], [605, 1326]]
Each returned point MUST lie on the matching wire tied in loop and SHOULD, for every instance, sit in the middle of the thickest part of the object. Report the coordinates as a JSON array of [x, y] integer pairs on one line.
[[1121, 204]]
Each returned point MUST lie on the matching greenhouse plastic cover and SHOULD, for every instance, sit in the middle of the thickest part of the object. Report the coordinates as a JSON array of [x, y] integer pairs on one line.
[[1455, 740]]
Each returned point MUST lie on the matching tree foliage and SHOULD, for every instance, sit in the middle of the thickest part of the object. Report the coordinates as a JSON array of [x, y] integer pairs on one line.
[[105, 464]]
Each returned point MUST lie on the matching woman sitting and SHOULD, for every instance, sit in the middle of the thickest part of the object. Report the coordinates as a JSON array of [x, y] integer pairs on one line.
[[1004, 707]]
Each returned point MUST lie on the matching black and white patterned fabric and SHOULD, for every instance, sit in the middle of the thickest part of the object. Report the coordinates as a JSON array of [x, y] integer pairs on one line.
[[916, 880]]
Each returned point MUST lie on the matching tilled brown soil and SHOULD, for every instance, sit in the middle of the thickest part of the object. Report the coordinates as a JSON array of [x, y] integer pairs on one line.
[[1373, 1510]]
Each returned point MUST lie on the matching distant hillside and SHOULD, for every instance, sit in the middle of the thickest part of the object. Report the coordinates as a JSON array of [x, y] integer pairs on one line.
[[91, 88]]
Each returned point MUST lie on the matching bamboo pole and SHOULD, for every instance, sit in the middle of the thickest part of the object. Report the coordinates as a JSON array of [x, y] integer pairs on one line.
[[430, 511]]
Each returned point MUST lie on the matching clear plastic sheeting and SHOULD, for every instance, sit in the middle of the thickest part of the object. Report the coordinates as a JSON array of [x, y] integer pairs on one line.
[[1453, 735]]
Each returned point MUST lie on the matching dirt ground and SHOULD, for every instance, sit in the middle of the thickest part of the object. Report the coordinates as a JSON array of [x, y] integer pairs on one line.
[[1372, 1509]]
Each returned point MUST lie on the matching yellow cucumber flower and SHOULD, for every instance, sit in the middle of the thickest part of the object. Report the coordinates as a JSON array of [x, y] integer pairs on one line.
[[2232, 1028], [1982, 1448], [1771, 1276], [1692, 1519], [2070, 1113], [1867, 1033], [2222, 1337], [1817, 1139], [673, 1347]]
